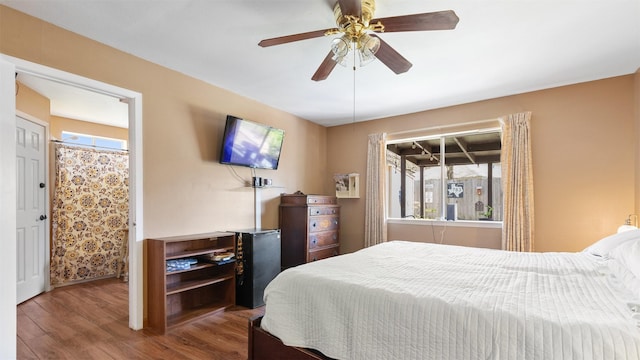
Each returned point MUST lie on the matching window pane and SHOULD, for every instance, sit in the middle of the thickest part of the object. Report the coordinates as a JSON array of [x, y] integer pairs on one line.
[[469, 188], [410, 201], [77, 139], [109, 143], [497, 192], [432, 193], [395, 187]]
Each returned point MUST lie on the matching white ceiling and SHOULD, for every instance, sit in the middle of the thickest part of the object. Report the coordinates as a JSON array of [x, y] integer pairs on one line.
[[499, 48]]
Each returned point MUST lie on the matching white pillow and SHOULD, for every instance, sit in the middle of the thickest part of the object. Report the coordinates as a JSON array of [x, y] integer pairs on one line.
[[628, 254], [603, 246]]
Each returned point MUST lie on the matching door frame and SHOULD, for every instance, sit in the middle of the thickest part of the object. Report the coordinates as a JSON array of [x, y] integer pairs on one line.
[[47, 194], [8, 214], [8, 67]]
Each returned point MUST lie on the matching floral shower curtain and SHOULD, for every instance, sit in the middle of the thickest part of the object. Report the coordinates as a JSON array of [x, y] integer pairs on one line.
[[90, 210]]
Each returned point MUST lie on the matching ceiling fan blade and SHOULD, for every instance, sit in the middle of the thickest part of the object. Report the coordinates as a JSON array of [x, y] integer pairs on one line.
[[440, 20], [388, 56], [325, 68], [292, 38], [351, 7]]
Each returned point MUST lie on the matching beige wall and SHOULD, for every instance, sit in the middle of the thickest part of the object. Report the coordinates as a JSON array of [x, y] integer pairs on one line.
[[583, 139], [185, 189], [437, 233], [32, 102]]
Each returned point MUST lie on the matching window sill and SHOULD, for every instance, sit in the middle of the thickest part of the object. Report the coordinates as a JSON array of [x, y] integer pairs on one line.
[[458, 223]]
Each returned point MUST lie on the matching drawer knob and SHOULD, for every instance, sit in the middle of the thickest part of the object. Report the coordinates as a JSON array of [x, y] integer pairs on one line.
[[314, 241]]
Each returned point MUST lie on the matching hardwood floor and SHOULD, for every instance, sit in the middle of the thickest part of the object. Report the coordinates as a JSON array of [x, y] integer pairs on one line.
[[90, 321]]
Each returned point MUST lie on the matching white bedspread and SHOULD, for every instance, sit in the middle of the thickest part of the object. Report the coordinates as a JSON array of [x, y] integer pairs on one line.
[[406, 300]]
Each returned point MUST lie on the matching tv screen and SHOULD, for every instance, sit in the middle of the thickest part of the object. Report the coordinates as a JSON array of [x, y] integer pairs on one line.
[[246, 143]]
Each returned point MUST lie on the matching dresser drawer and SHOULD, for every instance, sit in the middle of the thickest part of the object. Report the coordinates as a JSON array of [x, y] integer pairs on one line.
[[323, 254], [323, 223], [323, 210], [322, 239], [318, 199]]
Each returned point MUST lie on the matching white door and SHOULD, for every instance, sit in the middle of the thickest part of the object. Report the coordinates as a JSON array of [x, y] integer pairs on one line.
[[30, 209]]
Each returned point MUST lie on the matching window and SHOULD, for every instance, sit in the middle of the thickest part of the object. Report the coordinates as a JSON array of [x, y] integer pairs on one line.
[[93, 141], [446, 177]]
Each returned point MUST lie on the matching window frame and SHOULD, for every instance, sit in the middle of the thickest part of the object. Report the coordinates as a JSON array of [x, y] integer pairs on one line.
[[441, 220]]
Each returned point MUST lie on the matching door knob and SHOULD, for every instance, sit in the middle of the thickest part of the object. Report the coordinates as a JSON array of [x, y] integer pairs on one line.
[[43, 217], [41, 185]]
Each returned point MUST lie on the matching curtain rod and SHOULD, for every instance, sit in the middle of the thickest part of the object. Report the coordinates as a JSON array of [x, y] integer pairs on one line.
[[496, 120], [89, 146]]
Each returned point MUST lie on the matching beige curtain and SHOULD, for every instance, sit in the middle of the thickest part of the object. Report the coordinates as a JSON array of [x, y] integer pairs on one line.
[[375, 226], [90, 211], [517, 183]]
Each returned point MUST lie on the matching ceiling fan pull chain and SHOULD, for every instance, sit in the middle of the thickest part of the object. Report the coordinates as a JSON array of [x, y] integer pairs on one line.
[[354, 82]]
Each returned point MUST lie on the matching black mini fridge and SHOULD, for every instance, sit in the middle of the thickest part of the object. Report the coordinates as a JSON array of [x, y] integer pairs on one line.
[[258, 262]]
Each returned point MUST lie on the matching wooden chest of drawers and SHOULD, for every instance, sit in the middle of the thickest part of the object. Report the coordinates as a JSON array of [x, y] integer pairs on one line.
[[310, 228]]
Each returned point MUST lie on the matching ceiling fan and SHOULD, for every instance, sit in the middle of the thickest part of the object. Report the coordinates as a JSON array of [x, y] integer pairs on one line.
[[354, 19]]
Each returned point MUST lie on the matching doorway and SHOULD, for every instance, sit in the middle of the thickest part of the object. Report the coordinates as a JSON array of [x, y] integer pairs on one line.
[[89, 163], [8, 67]]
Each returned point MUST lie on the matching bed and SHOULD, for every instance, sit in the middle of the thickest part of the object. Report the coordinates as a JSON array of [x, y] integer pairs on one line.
[[407, 300]]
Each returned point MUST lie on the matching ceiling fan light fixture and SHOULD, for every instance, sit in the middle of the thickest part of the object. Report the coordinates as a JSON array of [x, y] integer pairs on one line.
[[367, 48], [340, 48]]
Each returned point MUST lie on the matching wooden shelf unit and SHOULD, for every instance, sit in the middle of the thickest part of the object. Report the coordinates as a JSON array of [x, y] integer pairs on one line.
[[183, 295]]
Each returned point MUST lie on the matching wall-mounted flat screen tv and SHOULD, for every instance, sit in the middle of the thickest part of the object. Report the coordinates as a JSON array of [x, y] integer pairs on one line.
[[246, 143]]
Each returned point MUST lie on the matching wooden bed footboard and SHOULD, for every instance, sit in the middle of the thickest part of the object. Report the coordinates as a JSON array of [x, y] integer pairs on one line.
[[264, 346]]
